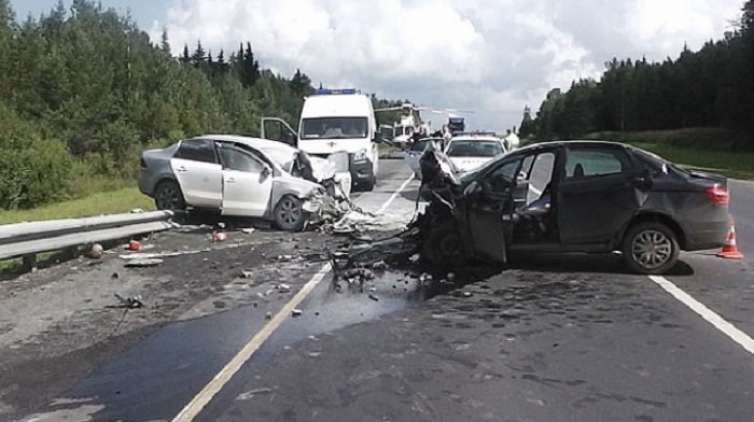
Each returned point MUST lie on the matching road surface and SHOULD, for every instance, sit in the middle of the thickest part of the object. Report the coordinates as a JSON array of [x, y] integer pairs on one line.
[[571, 338]]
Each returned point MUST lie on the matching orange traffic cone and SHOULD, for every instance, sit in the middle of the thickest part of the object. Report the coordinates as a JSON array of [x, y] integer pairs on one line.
[[730, 249]]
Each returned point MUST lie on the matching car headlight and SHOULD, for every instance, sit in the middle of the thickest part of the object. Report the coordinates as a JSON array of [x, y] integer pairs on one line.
[[360, 156]]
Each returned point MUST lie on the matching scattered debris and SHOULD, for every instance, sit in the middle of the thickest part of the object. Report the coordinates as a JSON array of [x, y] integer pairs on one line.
[[95, 251], [221, 225], [297, 312], [374, 297], [133, 302], [467, 294], [284, 288], [248, 230], [134, 245], [142, 263], [137, 211], [162, 255], [268, 315], [251, 393], [114, 276], [247, 274], [314, 354]]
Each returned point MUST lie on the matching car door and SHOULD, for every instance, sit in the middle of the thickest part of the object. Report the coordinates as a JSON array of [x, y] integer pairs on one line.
[[247, 182], [490, 210], [596, 194], [277, 129], [412, 155], [197, 169]]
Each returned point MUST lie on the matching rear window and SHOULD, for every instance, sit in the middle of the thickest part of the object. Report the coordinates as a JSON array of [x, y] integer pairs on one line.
[[474, 149], [197, 150]]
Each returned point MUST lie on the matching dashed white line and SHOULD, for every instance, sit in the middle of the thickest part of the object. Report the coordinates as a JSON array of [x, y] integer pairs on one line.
[[710, 316], [197, 404]]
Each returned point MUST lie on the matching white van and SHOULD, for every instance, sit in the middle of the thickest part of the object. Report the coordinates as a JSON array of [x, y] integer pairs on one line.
[[334, 121]]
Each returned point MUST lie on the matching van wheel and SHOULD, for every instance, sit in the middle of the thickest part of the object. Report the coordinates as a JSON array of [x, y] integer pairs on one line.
[[289, 214], [650, 248], [168, 196]]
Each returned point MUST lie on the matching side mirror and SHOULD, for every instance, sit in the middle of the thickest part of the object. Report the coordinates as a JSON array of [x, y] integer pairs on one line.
[[266, 171]]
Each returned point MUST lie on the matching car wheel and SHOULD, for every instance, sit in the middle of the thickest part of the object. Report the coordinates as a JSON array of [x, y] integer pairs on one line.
[[168, 196], [650, 248], [289, 214], [442, 247]]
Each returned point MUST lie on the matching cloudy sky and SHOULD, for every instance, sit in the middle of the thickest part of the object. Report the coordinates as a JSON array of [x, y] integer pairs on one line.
[[490, 56]]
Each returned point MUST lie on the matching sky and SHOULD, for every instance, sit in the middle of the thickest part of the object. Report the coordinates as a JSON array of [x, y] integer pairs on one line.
[[490, 57]]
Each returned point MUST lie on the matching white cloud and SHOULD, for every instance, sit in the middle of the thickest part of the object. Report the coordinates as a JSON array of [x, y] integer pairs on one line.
[[493, 56]]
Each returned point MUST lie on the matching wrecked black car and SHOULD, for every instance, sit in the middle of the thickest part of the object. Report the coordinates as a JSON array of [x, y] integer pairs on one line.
[[577, 196]]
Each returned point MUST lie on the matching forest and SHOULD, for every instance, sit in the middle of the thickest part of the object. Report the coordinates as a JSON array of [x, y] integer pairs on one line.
[[83, 91], [709, 88]]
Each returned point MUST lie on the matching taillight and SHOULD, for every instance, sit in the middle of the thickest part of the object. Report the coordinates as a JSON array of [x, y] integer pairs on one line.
[[718, 194]]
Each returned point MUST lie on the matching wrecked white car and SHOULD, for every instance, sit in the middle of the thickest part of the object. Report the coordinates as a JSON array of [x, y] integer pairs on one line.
[[242, 176]]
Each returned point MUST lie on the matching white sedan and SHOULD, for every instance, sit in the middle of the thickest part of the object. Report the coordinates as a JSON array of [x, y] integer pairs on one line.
[[469, 152], [241, 176]]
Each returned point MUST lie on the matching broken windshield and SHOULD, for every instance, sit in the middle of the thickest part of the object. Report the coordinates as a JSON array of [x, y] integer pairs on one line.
[[334, 128]]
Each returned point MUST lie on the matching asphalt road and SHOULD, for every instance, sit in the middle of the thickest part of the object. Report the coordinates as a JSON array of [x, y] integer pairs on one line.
[[572, 338]]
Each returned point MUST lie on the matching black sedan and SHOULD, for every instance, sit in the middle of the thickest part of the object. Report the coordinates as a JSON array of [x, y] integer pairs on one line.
[[576, 196]]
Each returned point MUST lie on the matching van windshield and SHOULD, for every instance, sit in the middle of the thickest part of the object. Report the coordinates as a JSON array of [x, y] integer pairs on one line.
[[334, 128]]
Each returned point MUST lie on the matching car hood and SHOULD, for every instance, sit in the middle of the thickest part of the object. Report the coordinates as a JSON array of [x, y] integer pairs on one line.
[[330, 146], [464, 164]]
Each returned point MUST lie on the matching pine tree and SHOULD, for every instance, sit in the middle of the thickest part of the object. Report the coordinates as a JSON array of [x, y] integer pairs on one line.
[[200, 55], [185, 57], [165, 43]]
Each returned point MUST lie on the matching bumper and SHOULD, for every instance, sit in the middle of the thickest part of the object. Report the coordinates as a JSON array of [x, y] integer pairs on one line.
[[708, 235]]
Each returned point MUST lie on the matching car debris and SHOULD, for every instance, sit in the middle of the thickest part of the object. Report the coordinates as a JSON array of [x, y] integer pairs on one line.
[[131, 302], [247, 274], [134, 245], [248, 230], [251, 393], [374, 297], [95, 251], [143, 263], [284, 288], [297, 312], [219, 236]]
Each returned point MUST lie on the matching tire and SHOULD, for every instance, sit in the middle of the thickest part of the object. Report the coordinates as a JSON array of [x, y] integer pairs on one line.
[[368, 185], [168, 196], [650, 248], [289, 214], [442, 248]]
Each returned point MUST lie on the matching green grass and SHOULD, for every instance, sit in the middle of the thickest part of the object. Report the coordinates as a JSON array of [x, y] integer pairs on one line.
[[110, 202]]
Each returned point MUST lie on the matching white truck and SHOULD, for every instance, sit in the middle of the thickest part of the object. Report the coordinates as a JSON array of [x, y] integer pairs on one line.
[[332, 122]]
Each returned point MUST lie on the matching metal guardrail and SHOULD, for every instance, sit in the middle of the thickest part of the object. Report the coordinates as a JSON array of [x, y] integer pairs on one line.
[[28, 239]]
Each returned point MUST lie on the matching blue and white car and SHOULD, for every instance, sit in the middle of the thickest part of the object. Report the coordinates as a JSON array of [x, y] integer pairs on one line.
[[468, 152]]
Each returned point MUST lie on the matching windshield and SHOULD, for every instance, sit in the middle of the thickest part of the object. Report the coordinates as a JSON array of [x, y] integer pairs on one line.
[[474, 149], [334, 128]]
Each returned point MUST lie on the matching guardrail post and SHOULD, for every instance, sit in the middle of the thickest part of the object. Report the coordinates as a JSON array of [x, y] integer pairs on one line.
[[29, 262]]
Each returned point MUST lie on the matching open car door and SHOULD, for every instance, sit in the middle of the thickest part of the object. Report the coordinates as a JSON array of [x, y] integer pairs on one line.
[[247, 182], [491, 209], [276, 129]]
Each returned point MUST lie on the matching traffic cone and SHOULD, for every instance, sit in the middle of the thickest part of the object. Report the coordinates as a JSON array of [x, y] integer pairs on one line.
[[730, 249]]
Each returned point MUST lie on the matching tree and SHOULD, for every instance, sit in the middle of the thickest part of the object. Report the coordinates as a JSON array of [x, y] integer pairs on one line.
[[301, 85], [199, 57], [165, 43], [185, 57]]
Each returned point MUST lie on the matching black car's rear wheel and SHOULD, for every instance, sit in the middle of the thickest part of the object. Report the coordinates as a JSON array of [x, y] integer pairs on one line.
[[289, 214], [168, 196], [650, 248]]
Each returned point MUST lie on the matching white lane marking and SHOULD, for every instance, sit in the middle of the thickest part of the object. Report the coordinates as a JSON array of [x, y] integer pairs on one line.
[[710, 316], [395, 195], [197, 404]]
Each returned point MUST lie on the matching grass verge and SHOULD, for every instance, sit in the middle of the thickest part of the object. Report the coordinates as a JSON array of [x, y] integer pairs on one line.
[[111, 202]]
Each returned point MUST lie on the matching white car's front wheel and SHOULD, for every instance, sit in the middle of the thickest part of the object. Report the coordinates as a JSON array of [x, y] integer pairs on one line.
[[289, 214]]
